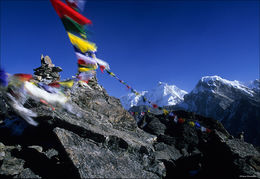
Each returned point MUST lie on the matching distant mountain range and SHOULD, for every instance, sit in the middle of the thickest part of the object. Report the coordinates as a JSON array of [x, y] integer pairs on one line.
[[162, 95], [234, 103]]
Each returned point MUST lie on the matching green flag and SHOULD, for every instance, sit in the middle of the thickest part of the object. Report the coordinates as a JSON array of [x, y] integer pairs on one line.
[[74, 27]]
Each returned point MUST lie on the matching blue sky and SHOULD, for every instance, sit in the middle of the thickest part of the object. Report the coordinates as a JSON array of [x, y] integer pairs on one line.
[[144, 41]]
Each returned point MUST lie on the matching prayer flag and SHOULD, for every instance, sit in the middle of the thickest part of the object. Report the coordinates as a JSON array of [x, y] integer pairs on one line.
[[171, 114], [154, 106], [73, 27], [83, 69], [208, 130], [192, 123], [197, 125], [83, 59], [76, 4], [175, 119], [85, 76], [102, 68], [62, 9], [54, 84], [67, 83], [3, 78], [181, 120], [81, 44], [165, 112], [203, 129], [102, 63], [23, 77]]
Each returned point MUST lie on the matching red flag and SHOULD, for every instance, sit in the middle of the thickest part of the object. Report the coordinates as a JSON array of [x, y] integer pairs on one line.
[[72, 4], [208, 130], [180, 120], [63, 9], [45, 102], [102, 68], [81, 62], [23, 77], [86, 81], [54, 84], [154, 106]]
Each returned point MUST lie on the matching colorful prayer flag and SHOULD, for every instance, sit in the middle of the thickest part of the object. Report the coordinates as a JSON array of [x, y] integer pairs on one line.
[[83, 69], [54, 84], [181, 120], [62, 9], [192, 123], [76, 4], [175, 119], [67, 83], [171, 114], [165, 112], [154, 105], [23, 77], [3, 78], [208, 130], [203, 129], [197, 125], [73, 27], [81, 44]]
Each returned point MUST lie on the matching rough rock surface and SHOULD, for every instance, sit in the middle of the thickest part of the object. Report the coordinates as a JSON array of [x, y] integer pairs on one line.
[[47, 70], [99, 139], [236, 106], [186, 151]]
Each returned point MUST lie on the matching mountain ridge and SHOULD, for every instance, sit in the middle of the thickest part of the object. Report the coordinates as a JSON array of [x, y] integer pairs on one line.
[[234, 103], [161, 94]]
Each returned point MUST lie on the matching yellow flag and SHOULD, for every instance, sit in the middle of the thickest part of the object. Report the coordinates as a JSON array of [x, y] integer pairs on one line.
[[192, 123], [85, 69], [112, 74], [165, 111], [67, 83], [81, 44]]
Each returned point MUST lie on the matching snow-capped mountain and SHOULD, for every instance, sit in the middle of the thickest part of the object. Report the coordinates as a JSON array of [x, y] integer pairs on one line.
[[162, 95], [254, 85], [234, 103]]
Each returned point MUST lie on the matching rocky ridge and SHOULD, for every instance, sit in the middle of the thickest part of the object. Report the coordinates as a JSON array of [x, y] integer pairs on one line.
[[234, 104], [97, 138]]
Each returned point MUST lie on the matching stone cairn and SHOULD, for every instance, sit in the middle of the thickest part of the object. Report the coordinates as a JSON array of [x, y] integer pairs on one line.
[[47, 70]]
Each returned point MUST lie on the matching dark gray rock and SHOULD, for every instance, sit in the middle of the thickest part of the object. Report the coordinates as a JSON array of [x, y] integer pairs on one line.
[[94, 137], [47, 71], [186, 151], [237, 108]]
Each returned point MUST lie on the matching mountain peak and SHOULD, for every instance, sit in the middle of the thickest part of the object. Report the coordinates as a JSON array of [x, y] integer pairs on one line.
[[217, 84], [163, 94]]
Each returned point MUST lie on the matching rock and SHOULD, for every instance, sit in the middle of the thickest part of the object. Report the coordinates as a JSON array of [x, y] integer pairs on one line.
[[186, 151], [95, 137], [38, 148], [27, 173], [51, 153], [166, 152], [47, 70], [114, 163]]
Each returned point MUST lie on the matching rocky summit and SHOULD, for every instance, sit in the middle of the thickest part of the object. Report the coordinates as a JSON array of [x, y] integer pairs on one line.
[[97, 138]]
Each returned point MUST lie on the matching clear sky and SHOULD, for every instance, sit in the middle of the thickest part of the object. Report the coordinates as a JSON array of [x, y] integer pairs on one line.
[[144, 41]]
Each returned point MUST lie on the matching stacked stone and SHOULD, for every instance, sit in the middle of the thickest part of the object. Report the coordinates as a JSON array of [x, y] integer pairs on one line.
[[47, 70]]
